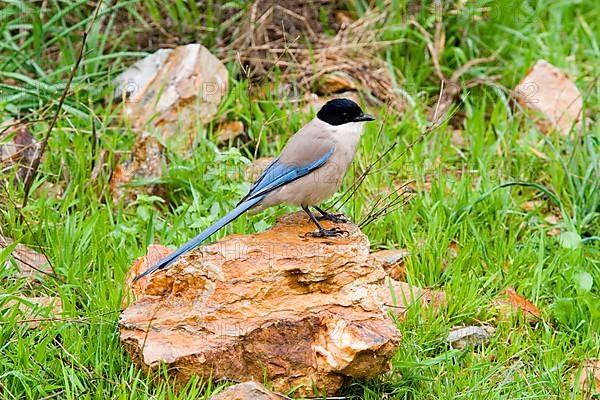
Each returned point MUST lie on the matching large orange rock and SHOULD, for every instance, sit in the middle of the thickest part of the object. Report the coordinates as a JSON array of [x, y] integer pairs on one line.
[[297, 310]]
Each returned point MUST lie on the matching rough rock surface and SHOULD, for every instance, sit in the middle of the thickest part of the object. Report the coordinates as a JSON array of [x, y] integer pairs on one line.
[[176, 88], [548, 91], [247, 391], [294, 309]]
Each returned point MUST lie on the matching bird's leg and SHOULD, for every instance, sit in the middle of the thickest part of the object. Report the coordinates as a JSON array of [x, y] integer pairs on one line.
[[337, 218], [322, 231]]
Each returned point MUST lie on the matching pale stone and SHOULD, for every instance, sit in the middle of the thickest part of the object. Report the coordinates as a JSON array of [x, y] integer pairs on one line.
[[548, 91]]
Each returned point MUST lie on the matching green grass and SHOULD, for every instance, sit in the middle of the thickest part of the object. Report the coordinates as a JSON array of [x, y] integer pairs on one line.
[[92, 241]]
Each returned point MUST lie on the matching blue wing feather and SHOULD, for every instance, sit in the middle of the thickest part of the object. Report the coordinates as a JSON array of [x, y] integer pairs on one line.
[[278, 174]]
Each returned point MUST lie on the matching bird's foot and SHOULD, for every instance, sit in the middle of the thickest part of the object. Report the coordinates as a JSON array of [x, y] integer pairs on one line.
[[333, 232], [335, 218]]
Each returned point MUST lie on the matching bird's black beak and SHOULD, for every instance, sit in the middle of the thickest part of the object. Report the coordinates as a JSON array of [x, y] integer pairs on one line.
[[364, 118]]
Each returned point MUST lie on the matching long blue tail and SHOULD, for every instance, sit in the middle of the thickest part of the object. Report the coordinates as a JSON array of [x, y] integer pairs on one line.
[[171, 258]]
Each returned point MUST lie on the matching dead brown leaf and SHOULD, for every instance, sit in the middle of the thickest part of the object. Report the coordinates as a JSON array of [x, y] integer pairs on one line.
[[589, 378], [343, 18], [458, 138], [35, 310], [453, 250], [552, 220], [30, 263], [510, 302], [17, 147]]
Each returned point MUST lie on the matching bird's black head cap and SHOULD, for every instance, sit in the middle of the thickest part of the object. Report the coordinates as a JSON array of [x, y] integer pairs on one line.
[[342, 111]]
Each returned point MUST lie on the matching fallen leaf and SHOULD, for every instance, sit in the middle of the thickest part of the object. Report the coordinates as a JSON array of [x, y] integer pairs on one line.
[[17, 147], [34, 310], [553, 219], [546, 90], [453, 250], [510, 302], [589, 378], [30, 263], [462, 337]]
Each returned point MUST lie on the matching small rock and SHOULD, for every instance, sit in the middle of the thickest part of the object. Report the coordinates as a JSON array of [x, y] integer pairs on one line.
[[548, 91], [247, 391], [393, 262], [185, 89], [229, 130], [30, 264], [146, 163], [34, 310], [470, 336]]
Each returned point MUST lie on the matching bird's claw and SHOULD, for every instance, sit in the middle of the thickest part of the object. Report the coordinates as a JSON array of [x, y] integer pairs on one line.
[[333, 232], [335, 218]]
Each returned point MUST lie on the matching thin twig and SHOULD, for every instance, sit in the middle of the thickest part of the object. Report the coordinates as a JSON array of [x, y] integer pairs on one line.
[[33, 168]]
